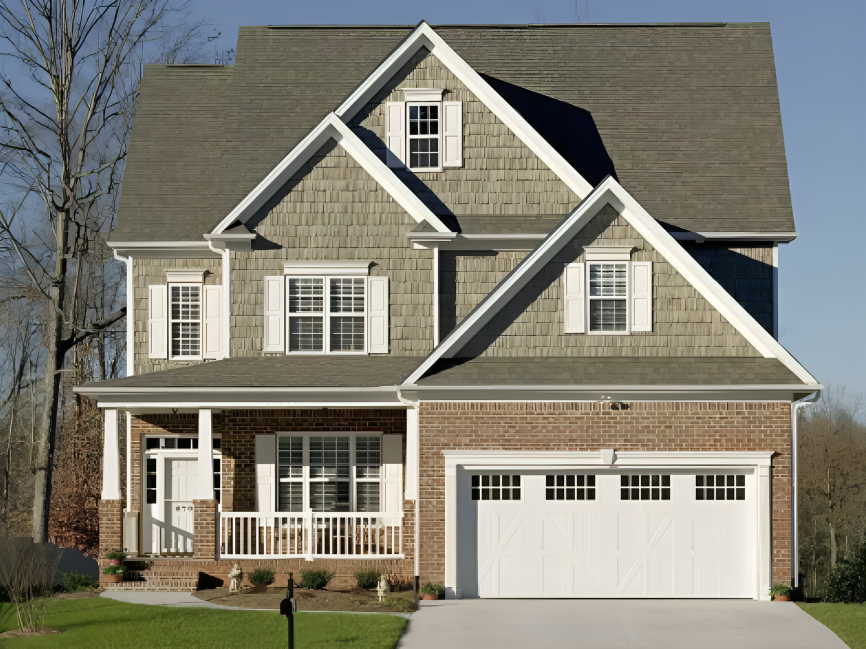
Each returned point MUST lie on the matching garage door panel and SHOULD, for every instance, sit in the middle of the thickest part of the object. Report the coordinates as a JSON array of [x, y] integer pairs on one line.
[[628, 532], [555, 534], [510, 576], [556, 576]]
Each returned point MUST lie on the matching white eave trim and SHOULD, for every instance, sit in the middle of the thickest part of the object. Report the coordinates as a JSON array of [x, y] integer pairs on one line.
[[185, 275], [331, 128], [164, 249], [609, 191], [422, 94], [608, 253], [777, 237], [425, 36], [327, 267]]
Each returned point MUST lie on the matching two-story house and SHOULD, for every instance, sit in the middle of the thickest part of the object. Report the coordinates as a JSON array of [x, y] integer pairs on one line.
[[489, 306]]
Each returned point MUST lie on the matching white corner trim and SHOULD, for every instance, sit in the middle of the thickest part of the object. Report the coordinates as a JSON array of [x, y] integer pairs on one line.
[[422, 94], [609, 191], [190, 275], [608, 253], [331, 127], [130, 313], [425, 36], [327, 267]]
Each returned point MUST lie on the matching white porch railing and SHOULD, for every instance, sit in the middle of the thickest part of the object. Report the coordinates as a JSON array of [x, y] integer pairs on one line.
[[274, 535]]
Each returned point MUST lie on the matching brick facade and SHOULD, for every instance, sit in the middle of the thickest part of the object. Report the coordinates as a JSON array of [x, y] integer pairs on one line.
[[204, 528], [559, 426]]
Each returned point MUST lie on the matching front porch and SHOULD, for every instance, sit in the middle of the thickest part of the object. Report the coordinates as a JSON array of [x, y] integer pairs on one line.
[[285, 488]]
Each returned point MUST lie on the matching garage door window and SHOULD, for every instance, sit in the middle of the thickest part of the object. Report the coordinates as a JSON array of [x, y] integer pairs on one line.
[[720, 487], [496, 487], [645, 487], [570, 487]]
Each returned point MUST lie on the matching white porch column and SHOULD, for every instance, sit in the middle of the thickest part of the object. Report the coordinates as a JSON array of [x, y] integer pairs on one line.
[[205, 455], [765, 543], [110, 458]]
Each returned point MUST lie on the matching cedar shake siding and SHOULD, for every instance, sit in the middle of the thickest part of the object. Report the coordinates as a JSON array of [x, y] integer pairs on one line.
[[146, 272], [333, 209], [593, 426], [499, 174], [532, 324]]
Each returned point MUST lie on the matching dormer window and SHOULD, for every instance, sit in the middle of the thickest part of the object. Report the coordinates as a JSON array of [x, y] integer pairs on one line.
[[424, 132], [608, 294]]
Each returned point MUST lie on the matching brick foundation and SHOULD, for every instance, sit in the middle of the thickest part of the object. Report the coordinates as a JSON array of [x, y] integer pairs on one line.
[[679, 426], [110, 525]]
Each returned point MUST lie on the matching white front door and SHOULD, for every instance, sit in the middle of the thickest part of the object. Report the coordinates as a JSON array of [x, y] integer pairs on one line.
[[641, 533], [181, 481]]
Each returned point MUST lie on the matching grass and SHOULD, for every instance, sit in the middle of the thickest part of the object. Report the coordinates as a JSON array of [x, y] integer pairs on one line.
[[848, 621], [100, 622]]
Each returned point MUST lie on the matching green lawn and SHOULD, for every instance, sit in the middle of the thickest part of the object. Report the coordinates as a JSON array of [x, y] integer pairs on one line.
[[848, 621], [99, 622]]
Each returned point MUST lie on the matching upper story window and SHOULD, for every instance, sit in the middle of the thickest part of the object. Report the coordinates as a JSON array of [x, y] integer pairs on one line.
[[424, 132], [326, 308], [608, 294], [185, 317]]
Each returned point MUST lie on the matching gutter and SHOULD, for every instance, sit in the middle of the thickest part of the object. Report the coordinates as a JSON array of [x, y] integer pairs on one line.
[[130, 360], [795, 545]]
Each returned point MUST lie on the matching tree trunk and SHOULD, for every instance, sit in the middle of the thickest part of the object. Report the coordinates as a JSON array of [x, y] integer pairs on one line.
[[833, 549]]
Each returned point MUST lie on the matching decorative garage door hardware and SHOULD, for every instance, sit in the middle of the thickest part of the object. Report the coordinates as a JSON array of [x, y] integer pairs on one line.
[[570, 487], [496, 487], [645, 487], [720, 487]]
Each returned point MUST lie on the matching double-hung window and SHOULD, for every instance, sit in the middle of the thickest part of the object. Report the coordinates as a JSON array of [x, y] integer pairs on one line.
[[424, 132], [608, 294], [326, 308], [185, 318], [337, 472]]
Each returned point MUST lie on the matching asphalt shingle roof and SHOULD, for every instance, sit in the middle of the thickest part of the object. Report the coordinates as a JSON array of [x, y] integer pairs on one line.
[[689, 115]]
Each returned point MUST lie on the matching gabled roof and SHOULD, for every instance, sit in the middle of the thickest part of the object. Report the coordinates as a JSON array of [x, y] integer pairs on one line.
[[688, 114], [610, 192]]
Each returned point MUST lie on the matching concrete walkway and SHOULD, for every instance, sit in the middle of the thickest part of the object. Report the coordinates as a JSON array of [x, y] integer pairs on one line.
[[615, 624], [160, 598]]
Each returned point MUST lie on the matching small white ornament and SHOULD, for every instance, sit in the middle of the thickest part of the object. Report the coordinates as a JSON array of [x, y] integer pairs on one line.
[[384, 587], [235, 576]]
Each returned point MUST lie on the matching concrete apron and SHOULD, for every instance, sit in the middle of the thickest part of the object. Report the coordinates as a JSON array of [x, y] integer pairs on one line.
[[615, 624]]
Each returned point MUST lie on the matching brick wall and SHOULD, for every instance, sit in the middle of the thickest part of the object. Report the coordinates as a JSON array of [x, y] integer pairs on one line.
[[591, 426], [110, 525], [204, 528], [152, 425]]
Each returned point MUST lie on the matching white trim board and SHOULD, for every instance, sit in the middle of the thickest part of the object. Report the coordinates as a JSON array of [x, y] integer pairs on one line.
[[331, 127], [610, 192]]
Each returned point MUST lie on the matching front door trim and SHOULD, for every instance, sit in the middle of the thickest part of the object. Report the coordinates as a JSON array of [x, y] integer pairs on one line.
[[759, 461]]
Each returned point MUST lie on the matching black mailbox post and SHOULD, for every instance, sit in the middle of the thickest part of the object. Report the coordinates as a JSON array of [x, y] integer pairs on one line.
[[288, 608]]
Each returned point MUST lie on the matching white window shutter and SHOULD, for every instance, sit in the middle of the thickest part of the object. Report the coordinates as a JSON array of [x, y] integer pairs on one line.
[[392, 474], [452, 134], [395, 132], [266, 473], [157, 321], [212, 339], [641, 296], [377, 315], [275, 318], [575, 299]]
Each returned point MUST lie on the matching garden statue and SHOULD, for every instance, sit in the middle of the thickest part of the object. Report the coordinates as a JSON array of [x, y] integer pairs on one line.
[[235, 576], [384, 587]]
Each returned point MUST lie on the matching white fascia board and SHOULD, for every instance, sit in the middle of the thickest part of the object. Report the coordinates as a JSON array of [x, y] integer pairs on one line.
[[426, 36], [480, 460], [609, 191], [700, 237], [328, 128], [163, 249]]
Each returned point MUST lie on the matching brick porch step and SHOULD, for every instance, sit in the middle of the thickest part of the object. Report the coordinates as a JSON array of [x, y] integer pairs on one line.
[[165, 584]]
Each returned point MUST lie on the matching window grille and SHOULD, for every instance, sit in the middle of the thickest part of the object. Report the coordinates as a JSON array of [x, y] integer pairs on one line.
[[185, 320], [569, 487], [720, 487], [645, 487], [424, 135], [608, 300], [496, 487]]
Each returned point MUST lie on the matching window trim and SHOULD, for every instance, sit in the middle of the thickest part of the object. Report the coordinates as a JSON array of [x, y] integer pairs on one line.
[[410, 137], [326, 314], [306, 480], [171, 321], [626, 298]]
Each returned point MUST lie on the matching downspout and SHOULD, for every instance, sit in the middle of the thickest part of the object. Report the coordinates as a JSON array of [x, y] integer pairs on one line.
[[795, 545], [226, 292], [413, 455], [130, 364]]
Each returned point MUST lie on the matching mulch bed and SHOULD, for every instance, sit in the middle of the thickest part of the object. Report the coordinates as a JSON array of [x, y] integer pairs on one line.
[[356, 601]]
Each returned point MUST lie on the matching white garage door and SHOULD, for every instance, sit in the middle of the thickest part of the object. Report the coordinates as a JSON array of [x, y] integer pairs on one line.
[[614, 534]]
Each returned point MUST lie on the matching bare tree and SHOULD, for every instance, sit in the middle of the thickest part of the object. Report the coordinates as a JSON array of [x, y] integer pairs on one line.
[[64, 127]]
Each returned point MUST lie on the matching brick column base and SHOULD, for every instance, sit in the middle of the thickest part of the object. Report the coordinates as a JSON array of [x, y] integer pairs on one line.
[[110, 525], [204, 528]]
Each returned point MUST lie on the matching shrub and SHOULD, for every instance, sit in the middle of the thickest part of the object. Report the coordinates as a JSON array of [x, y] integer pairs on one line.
[[261, 576], [399, 604], [368, 578], [847, 581], [27, 571], [433, 589], [75, 582], [315, 579], [116, 554], [113, 570], [780, 589]]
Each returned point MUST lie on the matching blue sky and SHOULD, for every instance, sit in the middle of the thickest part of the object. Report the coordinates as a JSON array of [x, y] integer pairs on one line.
[[821, 70]]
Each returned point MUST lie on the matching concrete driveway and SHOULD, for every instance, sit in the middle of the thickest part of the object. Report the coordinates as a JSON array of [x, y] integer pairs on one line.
[[615, 624]]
